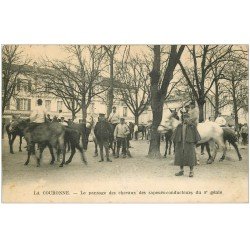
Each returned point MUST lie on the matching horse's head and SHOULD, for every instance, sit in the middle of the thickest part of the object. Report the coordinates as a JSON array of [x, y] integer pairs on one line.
[[168, 122]]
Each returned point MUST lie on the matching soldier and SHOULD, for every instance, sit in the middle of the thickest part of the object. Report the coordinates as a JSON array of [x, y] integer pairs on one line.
[[113, 117], [185, 138], [120, 135], [103, 134], [38, 116]]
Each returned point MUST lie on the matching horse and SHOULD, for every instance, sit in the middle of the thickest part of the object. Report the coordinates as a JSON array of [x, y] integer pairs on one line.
[[45, 134], [140, 129], [72, 137], [12, 134], [84, 130], [104, 135], [209, 131]]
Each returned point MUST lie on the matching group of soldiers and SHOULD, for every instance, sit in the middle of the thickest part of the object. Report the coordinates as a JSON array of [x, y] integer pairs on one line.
[[116, 128]]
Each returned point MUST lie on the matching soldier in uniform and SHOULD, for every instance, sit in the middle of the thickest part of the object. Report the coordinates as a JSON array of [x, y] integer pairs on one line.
[[114, 117], [120, 135], [103, 134]]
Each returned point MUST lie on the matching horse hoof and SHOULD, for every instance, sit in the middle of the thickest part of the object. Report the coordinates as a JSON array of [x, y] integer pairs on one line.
[[165, 156], [209, 161], [221, 159], [12, 152], [61, 165], [26, 163], [240, 159], [52, 163], [67, 162]]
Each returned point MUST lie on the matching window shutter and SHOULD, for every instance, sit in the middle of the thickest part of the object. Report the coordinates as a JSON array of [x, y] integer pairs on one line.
[[17, 104], [29, 104]]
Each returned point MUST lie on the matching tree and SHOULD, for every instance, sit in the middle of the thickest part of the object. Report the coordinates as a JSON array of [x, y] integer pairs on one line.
[[236, 76], [158, 90], [111, 51], [198, 70], [217, 95], [135, 85], [77, 80], [14, 65]]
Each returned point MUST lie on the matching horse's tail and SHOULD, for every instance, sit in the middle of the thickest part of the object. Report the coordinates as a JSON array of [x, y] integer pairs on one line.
[[229, 135]]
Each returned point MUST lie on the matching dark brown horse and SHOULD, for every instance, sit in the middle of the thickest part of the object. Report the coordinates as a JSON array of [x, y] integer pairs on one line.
[[12, 134], [45, 134]]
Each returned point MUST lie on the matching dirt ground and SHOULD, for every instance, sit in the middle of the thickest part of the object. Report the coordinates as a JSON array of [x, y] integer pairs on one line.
[[131, 180]]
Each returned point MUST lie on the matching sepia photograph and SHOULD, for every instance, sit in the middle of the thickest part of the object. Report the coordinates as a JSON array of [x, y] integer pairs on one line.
[[125, 123]]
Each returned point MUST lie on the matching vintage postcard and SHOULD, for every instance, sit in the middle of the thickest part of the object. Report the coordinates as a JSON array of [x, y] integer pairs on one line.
[[125, 123]]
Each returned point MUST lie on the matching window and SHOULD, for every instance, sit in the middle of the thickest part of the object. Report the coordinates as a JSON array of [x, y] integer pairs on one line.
[[125, 111], [59, 105], [23, 104], [48, 105]]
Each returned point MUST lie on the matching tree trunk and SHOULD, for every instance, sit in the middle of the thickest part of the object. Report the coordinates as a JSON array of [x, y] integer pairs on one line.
[[136, 119], [84, 112], [201, 110], [155, 141], [216, 109], [73, 115], [110, 94]]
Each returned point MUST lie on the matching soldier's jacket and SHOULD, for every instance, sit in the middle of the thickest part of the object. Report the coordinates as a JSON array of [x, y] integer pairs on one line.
[[102, 130]]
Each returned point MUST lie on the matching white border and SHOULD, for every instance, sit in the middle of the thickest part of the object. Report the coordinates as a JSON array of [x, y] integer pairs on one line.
[[64, 226]]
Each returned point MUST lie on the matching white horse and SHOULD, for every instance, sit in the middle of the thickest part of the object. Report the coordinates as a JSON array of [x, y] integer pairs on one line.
[[209, 131]]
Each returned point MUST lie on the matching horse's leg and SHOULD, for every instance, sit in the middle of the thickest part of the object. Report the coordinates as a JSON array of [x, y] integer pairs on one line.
[[20, 144], [68, 146], [237, 150], [62, 149], [83, 155], [11, 143], [210, 159], [30, 148], [222, 145], [170, 144], [101, 151], [41, 149], [96, 148], [107, 152], [73, 150], [52, 154]]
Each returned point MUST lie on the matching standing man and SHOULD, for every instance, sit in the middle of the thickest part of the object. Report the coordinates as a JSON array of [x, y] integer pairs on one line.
[[120, 135], [185, 138], [193, 113], [103, 133], [220, 120], [244, 134], [113, 117]]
